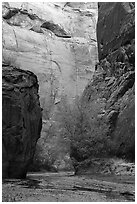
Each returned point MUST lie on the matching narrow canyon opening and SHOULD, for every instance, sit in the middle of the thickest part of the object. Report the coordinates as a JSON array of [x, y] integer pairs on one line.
[[68, 91]]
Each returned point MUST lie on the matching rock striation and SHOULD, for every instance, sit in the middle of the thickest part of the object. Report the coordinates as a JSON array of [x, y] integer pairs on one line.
[[56, 41], [21, 120]]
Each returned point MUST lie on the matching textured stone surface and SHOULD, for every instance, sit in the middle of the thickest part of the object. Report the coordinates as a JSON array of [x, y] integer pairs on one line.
[[115, 27], [21, 120], [111, 93], [106, 166], [57, 41], [113, 81]]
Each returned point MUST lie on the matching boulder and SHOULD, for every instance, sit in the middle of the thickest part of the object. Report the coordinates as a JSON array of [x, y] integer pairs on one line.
[[21, 120], [106, 166]]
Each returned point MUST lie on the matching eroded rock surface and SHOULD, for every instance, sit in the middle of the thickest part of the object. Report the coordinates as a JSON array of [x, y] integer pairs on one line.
[[117, 74], [21, 120], [115, 27], [111, 93], [57, 41]]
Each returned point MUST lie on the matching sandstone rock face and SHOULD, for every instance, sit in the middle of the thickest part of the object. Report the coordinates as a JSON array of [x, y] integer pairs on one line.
[[111, 93], [57, 41], [115, 76], [21, 120], [115, 27]]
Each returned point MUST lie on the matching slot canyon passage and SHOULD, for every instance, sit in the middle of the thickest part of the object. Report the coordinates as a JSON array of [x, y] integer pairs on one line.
[[68, 101]]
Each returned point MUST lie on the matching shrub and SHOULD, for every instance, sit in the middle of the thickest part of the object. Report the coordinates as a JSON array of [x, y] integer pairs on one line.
[[87, 134]]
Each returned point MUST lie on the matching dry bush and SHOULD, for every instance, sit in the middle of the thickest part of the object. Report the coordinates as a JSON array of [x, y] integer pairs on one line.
[[86, 133]]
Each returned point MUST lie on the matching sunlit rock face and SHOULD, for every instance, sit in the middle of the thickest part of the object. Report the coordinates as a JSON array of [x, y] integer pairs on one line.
[[21, 120], [57, 41]]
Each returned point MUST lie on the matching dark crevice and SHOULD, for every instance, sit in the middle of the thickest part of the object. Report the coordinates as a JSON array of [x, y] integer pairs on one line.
[[13, 11], [10, 13], [56, 29]]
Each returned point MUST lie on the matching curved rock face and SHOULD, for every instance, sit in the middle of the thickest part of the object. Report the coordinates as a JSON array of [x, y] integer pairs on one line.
[[21, 120], [57, 41]]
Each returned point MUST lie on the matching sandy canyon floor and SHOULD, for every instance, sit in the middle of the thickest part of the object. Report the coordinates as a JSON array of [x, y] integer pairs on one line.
[[66, 187]]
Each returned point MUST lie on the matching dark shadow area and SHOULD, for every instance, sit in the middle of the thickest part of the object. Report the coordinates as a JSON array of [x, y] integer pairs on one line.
[[26, 183]]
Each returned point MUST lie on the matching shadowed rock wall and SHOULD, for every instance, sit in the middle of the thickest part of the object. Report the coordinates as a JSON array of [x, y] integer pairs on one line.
[[115, 27], [113, 82], [111, 93], [21, 120]]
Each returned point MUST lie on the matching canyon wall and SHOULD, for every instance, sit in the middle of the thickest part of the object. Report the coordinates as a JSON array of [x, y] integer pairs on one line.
[[21, 120], [113, 83], [110, 96], [57, 42]]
